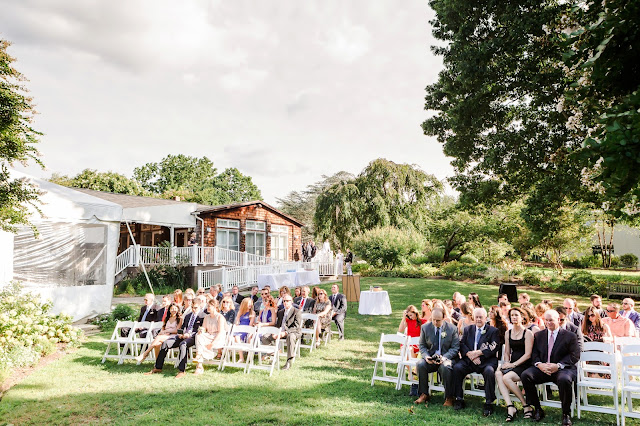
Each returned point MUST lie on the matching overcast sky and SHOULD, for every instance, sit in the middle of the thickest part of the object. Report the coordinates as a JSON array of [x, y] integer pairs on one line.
[[285, 91]]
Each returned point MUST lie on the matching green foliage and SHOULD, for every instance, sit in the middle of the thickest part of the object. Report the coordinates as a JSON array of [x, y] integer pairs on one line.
[[122, 312], [587, 261], [302, 204], [456, 270], [164, 279], [629, 260], [383, 194], [531, 277], [17, 144], [27, 331], [101, 181], [174, 172], [404, 271], [387, 246], [582, 283]]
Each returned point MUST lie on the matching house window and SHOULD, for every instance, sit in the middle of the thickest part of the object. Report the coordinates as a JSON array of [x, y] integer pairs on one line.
[[255, 225], [279, 242], [228, 238], [255, 243], [228, 223]]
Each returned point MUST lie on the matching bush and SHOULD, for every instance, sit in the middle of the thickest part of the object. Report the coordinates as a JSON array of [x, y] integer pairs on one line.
[[161, 277], [457, 270], [27, 331], [582, 283], [584, 262], [407, 271], [629, 260], [122, 312], [531, 277], [388, 247]]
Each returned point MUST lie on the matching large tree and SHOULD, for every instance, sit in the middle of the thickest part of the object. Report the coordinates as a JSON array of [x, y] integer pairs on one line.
[[174, 173], [17, 143], [100, 181], [302, 204], [230, 186], [383, 194]]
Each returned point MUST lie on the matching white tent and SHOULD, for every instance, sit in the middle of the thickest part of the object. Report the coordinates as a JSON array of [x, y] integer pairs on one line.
[[72, 260]]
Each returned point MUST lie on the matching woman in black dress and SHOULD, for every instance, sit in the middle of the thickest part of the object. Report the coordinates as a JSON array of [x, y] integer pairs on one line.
[[517, 358]]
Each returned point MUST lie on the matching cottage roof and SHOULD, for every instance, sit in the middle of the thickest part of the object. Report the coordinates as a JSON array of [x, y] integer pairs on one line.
[[259, 203], [132, 201]]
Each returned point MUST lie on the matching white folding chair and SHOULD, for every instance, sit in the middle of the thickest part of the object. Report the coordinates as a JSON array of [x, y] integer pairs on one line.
[[545, 401], [117, 340], [261, 350], [309, 332], [630, 385], [592, 380], [384, 358], [218, 361], [625, 341], [408, 363], [232, 348], [140, 344], [606, 347]]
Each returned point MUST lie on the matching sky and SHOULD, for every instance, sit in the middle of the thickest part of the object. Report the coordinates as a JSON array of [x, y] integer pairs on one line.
[[286, 91]]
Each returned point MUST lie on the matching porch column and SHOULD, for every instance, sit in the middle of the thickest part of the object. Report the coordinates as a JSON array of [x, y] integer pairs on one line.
[[172, 249]]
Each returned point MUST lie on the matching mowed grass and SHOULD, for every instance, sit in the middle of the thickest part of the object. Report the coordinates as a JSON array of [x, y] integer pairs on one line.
[[329, 386]]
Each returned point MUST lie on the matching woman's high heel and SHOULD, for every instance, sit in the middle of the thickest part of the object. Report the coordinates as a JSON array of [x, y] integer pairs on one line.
[[511, 417]]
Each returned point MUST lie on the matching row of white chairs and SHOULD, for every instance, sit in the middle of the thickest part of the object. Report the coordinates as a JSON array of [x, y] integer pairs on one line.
[[606, 369], [133, 344]]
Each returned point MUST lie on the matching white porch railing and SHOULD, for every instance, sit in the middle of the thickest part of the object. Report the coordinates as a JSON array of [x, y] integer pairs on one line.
[[125, 259]]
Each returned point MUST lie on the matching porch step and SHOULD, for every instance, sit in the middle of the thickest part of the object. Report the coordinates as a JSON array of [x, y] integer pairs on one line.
[[89, 329]]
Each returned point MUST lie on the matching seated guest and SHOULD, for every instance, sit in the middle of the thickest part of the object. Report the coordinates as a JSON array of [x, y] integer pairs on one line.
[[502, 297], [540, 309], [457, 301], [498, 321], [215, 291], [183, 341], [187, 305], [177, 296], [305, 303], [283, 291], [628, 312], [163, 312], [466, 309], [322, 308], [211, 336], [314, 292], [439, 304], [504, 309], [289, 322], [439, 346], [191, 292], [479, 352], [246, 316], [228, 310], [517, 358], [596, 303], [530, 319], [296, 293], [257, 306], [339, 303], [200, 292], [267, 315], [566, 325], [170, 326], [254, 293], [554, 357], [449, 305], [619, 325], [426, 309], [523, 298], [235, 295], [593, 329], [148, 312], [474, 299], [573, 316], [528, 305]]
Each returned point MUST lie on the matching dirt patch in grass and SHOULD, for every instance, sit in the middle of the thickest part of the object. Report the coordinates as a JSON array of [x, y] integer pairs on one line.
[[19, 374]]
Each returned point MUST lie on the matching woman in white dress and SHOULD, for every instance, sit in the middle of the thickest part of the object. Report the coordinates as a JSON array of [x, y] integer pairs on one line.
[[339, 263], [211, 335]]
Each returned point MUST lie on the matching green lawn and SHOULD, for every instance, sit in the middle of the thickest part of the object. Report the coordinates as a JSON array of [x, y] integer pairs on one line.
[[329, 386]]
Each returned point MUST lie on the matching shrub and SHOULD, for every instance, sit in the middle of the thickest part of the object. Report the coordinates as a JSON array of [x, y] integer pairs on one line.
[[387, 246], [468, 258], [629, 260], [457, 270], [583, 262], [582, 283], [407, 271], [161, 277], [122, 312], [27, 331], [531, 277]]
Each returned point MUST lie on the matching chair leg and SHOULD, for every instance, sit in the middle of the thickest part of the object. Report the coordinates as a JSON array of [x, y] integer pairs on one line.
[[375, 371]]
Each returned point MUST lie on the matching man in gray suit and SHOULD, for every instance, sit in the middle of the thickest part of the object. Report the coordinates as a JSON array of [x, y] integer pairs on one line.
[[289, 321], [439, 346]]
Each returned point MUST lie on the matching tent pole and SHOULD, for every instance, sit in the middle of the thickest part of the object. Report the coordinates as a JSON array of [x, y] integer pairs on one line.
[[140, 263]]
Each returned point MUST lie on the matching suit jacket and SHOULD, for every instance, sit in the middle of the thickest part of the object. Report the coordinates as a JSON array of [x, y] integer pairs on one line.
[[634, 317], [160, 313], [308, 303], [151, 316], [293, 323], [577, 331], [339, 303], [239, 298], [566, 349], [489, 343], [196, 324], [254, 298], [576, 319], [449, 343]]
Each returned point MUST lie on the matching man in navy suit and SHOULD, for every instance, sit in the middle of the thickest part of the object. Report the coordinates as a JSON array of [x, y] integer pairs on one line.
[[554, 357], [573, 316], [339, 308], [184, 341], [479, 347], [628, 312]]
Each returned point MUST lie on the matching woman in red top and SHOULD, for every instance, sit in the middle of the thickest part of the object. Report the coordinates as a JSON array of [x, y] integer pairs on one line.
[[411, 324]]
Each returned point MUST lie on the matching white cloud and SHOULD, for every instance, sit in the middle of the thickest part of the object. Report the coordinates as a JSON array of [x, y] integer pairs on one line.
[[346, 42]]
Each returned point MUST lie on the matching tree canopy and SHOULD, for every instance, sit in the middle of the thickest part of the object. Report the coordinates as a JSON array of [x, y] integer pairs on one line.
[[174, 173], [101, 181], [17, 143]]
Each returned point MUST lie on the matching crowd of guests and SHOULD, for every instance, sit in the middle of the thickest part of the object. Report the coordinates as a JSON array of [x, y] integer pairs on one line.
[[537, 344], [203, 319]]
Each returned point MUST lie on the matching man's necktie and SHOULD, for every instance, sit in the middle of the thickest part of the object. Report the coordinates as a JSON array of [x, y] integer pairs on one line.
[[302, 304], [551, 342], [164, 315], [191, 321], [478, 334], [144, 317], [438, 339]]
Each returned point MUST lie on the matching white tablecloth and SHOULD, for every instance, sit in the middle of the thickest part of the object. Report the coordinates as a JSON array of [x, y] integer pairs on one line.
[[307, 277], [275, 281], [374, 303]]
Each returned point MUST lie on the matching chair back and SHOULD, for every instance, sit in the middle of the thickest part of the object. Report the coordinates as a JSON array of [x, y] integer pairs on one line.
[[630, 350], [598, 346], [391, 338], [120, 325], [623, 341], [630, 369]]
